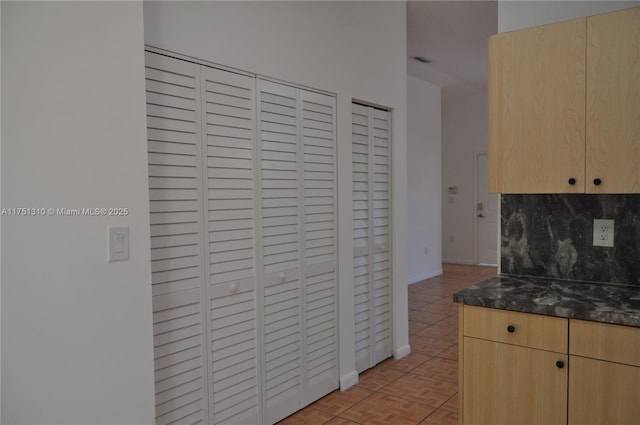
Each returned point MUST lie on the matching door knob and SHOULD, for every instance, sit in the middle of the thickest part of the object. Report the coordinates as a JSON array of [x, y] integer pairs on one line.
[[481, 215]]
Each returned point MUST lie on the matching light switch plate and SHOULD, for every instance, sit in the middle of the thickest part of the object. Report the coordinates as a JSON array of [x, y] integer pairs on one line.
[[603, 232], [118, 243]]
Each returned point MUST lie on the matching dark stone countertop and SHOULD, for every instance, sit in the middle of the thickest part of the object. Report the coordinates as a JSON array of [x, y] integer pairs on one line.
[[598, 302]]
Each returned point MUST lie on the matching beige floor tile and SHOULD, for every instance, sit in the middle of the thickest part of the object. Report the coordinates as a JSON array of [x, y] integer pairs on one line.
[[384, 409], [416, 326], [441, 417], [377, 377], [339, 401], [428, 346], [341, 421], [308, 416], [420, 389], [407, 363], [439, 368], [450, 353]]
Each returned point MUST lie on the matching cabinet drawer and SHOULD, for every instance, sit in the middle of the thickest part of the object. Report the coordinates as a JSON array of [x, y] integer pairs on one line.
[[524, 329], [614, 343]]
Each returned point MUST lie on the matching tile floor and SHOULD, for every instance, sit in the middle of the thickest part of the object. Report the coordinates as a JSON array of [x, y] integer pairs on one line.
[[420, 388]]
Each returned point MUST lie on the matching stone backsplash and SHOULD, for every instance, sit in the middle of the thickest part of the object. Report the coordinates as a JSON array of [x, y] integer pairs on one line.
[[552, 236]]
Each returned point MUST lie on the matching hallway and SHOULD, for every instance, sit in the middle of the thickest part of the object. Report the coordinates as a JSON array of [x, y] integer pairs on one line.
[[420, 388]]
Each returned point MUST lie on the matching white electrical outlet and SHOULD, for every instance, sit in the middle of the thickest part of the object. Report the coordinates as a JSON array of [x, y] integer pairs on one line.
[[603, 232]]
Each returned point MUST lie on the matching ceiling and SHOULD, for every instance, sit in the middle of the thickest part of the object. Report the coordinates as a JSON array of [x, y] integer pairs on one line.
[[453, 34]]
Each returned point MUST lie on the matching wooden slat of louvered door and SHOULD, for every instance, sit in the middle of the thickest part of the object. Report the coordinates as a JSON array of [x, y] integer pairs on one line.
[[319, 180], [381, 291], [229, 122], [174, 146], [361, 238], [281, 247]]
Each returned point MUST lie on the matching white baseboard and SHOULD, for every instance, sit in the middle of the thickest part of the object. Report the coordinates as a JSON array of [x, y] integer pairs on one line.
[[348, 380], [424, 276], [401, 352], [459, 261]]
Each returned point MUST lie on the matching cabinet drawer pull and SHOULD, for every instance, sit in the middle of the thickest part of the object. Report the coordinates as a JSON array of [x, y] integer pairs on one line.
[[559, 364], [511, 329], [572, 181], [597, 181]]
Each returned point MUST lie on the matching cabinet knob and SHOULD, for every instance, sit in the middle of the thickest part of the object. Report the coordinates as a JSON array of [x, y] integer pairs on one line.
[[597, 181], [511, 329], [572, 181], [559, 364]]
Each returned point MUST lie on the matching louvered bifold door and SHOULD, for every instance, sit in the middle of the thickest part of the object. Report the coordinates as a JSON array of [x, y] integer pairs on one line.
[[320, 210], [361, 219], [381, 291], [281, 248], [297, 145], [177, 264], [229, 123], [371, 232]]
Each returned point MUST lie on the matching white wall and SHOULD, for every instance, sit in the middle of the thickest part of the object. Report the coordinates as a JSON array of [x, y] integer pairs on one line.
[[464, 132], [76, 331], [424, 180], [353, 49], [0, 223], [513, 15]]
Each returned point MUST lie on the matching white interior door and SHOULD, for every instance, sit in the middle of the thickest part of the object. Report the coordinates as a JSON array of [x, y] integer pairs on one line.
[[297, 142], [243, 236], [230, 228], [371, 221], [281, 245], [177, 260], [320, 244], [381, 290], [486, 214]]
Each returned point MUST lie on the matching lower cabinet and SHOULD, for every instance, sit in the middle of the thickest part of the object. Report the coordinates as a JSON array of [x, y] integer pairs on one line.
[[604, 377], [520, 368], [507, 384], [513, 367], [602, 392]]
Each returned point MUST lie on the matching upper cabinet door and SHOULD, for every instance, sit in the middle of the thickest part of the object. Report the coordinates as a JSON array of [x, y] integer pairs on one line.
[[613, 102], [537, 109]]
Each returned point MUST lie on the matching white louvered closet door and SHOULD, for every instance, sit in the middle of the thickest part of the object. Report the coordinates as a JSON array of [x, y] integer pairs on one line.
[[297, 138], [243, 238], [178, 280], [372, 238], [320, 244], [229, 107], [281, 232]]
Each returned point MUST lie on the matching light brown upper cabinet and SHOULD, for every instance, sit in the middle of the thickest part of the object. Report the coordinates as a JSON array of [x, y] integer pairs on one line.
[[564, 107], [613, 102]]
